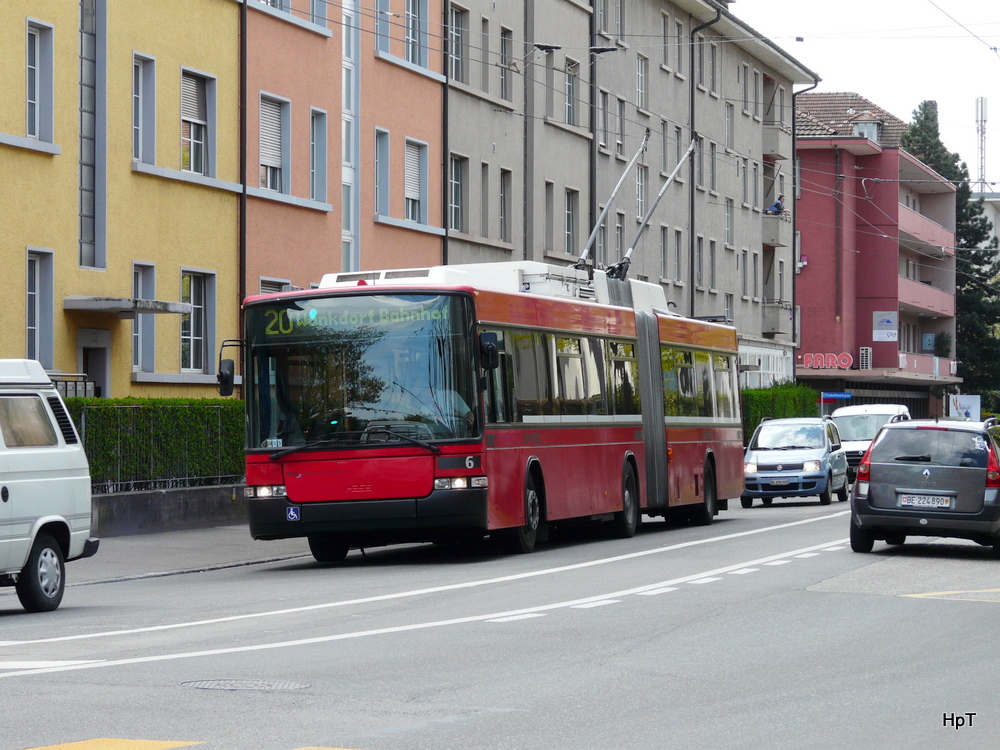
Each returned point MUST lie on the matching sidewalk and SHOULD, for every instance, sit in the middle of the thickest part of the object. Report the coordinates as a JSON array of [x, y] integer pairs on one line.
[[147, 555]]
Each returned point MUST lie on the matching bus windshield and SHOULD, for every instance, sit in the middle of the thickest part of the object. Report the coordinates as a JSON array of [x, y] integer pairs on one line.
[[362, 370]]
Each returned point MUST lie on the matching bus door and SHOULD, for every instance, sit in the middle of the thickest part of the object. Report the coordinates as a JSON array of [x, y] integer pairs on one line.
[[653, 425]]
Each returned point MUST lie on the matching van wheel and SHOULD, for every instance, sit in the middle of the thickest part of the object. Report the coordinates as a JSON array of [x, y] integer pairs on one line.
[[626, 521], [328, 548], [42, 580], [704, 514]]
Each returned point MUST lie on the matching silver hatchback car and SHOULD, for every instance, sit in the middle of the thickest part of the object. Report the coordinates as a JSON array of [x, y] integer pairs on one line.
[[929, 478]]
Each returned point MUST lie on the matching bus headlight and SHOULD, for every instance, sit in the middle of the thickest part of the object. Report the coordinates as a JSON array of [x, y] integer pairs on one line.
[[460, 483], [265, 490]]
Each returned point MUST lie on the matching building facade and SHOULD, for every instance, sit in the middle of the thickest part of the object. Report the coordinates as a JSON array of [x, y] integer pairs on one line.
[[875, 271]]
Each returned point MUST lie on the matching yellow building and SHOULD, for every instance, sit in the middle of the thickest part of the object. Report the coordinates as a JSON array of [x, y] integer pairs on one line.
[[119, 133]]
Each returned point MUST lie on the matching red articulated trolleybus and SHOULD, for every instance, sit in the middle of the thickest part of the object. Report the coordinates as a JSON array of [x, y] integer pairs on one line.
[[495, 399]]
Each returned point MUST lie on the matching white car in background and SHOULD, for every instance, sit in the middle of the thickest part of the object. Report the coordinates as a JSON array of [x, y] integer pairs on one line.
[[858, 426]]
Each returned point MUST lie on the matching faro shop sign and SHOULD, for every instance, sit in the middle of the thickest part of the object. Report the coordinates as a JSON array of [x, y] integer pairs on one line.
[[828, 361]]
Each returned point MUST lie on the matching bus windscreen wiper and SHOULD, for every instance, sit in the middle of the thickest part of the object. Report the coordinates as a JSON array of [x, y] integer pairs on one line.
[[416, 441], [313, 444]]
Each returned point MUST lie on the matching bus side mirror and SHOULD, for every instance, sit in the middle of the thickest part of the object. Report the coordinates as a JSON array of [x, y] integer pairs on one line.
[[489, 354], [227, 368]]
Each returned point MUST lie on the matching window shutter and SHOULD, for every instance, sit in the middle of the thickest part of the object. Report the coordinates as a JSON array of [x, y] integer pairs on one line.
[[411, 176], [270, 133], [194, 104]]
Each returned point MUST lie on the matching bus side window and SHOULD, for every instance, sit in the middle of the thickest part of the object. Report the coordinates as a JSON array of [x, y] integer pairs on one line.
[[498, 382]]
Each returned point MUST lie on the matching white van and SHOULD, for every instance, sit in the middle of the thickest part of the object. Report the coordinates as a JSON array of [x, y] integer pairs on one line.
[[44, 487], [859, 424]]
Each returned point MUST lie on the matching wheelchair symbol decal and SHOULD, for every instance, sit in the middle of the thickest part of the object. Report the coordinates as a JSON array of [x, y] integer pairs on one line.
[[292, 514]]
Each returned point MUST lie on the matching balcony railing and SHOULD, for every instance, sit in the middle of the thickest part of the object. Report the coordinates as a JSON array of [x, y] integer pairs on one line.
[[777, 140], [777, 229]]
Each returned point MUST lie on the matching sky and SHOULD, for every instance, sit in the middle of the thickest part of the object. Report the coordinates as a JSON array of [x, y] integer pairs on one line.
[[898, 53]]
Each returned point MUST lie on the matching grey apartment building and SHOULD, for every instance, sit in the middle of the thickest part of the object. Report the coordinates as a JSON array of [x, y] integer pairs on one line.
[[549, 102]]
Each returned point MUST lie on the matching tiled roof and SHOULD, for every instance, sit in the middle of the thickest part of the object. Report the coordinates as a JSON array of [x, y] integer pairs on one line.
[[839, 112]]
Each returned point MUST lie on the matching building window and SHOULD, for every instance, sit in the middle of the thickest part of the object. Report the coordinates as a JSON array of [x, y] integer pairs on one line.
[[728, 307], [415, 181], [457, 48], [414, 30], [756, 274], [143, 348], [678, 145], [39, 82], [484, 200], [317, 155], [506, 63], [602, 119], [641, 178], [381, 172], [755, 184], [730, 125], [272, 144], [569, 228], [665, 42], [457, 187], [619, 235], [745, 71], [193, 338], [619, 18], [699, 162], [383, 17], [712, 161], [711, 263], [572, 77], [641, 77], [679, 48], [713, 62], [143, 110], [194, 124], [744, 274], [699, 59], [39, 306], [699, 261], [506, 183], [729, 208], [867, 130], [91, 173], [756, 94], [601, 251], [678, 245], [744, 174], [664, 252], [620, 136]]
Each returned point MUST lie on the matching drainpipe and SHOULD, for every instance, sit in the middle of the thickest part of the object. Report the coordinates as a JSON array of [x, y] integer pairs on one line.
[[839, 231], [795, 214], [446, 144], [242, 250], [694, 138]]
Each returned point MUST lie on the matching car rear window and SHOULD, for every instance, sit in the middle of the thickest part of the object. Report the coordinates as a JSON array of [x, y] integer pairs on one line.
[[933, 447]]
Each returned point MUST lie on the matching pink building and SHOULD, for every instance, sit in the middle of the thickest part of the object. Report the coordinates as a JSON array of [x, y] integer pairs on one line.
[[875, 265]]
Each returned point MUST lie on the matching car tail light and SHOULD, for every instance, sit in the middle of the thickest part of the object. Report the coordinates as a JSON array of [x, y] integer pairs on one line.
[[992, 470], [864, 468]]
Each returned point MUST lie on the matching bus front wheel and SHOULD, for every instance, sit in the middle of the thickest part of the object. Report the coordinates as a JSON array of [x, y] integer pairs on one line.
[[704, 514], [523, 539], [328, 548]]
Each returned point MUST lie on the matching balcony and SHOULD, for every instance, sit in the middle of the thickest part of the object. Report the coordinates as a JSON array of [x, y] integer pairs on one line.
[[777, 141], [925, 364], [777, 318], [924, 299], [777, 229], [919, 230]]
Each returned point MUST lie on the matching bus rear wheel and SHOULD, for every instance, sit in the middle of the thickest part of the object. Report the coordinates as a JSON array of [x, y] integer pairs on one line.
[[704, 514], [626, 521], [328, 548]]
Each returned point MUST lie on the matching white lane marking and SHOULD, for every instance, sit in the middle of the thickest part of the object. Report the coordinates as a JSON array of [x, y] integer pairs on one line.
[[743, 572], [655, 592], [703, 580], [809, 554], [833, 549], [493, 616], [432, 590], [778, 562], [515, 617], [43, 664], [601, 603]]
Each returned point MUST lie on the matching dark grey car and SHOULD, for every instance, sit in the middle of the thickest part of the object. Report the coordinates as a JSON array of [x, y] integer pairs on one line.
[[928, 478]]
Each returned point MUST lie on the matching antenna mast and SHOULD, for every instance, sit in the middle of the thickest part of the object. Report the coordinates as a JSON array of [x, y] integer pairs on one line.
[[981, 130]]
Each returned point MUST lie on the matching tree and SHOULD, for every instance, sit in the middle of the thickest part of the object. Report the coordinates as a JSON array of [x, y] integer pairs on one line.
[[977, 264]]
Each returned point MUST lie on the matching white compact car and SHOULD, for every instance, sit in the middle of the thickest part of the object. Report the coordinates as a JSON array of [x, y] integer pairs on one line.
[[45, 499]]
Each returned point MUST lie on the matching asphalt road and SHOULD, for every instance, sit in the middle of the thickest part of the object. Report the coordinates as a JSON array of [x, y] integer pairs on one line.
[[761, 631]]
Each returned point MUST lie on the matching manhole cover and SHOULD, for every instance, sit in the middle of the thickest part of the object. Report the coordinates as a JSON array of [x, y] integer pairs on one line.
[[244, 685]]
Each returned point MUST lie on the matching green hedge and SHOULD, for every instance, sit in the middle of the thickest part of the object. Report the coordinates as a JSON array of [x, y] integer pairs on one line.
[[779, 401], [135, 444]]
